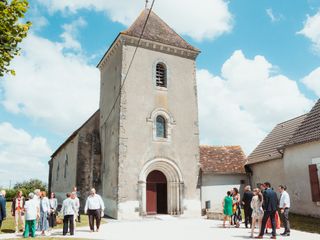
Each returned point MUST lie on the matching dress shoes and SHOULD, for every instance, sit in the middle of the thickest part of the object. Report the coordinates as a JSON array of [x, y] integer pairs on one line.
[[287, 234]]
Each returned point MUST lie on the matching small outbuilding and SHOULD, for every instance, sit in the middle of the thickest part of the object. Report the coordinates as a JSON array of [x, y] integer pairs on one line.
[[290, 155], [222, 169]]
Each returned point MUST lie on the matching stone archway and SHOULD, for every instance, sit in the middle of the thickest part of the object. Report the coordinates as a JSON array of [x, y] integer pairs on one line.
[[174, 185]]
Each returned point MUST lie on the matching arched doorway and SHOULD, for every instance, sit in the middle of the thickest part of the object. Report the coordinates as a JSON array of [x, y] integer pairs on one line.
[[169, 171], [157, 193]]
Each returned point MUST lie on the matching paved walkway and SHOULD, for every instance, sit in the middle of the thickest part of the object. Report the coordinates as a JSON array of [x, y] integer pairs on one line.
[[170, 229]]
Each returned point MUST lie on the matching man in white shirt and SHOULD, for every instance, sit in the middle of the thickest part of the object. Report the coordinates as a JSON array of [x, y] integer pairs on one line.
[[32, 213], [68, 210], [77, 205], [284, 206], [95, 209]]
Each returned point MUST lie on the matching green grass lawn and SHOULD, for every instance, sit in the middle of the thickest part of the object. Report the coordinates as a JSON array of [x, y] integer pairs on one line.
[[304, 223], [8, 225]]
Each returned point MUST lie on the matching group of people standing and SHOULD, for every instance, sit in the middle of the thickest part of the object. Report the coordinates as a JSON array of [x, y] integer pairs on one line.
[[39, 213], [260, 206], [94, 207]]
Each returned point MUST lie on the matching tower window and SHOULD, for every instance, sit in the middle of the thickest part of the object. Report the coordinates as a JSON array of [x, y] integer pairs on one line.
[[161, 127], [161, 75]]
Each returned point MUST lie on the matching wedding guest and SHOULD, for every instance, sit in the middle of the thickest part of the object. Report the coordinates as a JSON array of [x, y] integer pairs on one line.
[[257, 211], [3, 213], [227, 208], [31, 214], [37, 195], [53, 210], [236, 207], [277, 221], [270, 202], [37, 198], [75, 189], [68, 210], [77, 205], [246, 201], [95, 209], [17, 210], [44, 213], [284, 209]]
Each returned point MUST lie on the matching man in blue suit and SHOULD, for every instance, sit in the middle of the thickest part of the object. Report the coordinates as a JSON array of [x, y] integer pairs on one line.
[[3, 214], [270, 205]]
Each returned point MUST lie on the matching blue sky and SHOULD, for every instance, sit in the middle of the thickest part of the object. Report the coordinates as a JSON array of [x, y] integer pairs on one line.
[[259, 65]]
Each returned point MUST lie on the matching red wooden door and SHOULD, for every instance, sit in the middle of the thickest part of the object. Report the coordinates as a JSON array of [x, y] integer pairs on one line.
[[151, 198], [156, 193]]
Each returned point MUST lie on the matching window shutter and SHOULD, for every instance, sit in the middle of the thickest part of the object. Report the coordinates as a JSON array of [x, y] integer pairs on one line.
[[314, 182]]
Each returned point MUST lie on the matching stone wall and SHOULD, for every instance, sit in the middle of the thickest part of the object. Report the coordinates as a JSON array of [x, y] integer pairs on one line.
[[270, 171], [89, 158], [214, 188], [296, 170], [111, 77], [64, 163], [78, 162]]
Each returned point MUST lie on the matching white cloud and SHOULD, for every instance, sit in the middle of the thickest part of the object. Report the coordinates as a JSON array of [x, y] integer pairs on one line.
[[70, 32], [312, 81], [54, 84], [243, 104], [200, 19], [273, 17], [311, 30], [22, 156]]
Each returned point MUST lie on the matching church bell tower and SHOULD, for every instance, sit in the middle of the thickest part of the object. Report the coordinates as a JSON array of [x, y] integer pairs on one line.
[[149, 122]]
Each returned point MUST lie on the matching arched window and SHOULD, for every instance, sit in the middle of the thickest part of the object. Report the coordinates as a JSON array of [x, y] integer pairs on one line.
[[66, 163], [58, 169], [161, 75], [161, 127]]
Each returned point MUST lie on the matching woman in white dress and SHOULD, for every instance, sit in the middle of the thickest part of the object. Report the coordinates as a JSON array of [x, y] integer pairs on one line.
[[257, 211]]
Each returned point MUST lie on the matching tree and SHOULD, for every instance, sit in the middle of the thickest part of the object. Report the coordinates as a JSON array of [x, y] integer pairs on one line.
[[29, 186], [12, 31]]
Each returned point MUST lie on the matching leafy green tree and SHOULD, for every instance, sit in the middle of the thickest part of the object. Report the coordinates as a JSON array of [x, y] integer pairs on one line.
[[29, 186], [12, 31]]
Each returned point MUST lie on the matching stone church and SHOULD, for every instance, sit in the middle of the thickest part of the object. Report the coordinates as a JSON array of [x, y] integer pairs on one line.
[[140, 150]]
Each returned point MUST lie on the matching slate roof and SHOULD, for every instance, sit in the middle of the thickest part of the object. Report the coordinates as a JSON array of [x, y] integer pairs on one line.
[[222, 159], [156, 30], [277, 138], [309, 130]]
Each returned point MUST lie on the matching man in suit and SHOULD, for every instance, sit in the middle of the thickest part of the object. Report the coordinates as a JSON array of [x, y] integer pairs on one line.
[[246, 203], [270, 204], [3, 213]]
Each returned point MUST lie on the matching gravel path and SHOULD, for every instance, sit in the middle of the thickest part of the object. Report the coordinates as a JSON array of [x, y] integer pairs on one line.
[[170, 228]]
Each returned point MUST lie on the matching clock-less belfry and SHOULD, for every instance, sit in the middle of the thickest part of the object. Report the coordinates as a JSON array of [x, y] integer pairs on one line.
[[140, 150]]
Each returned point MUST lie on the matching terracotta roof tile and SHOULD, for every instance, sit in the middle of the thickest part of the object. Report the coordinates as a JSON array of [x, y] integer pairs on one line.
[[309, 130], [223, 160], [280, 134], [156, 30]]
